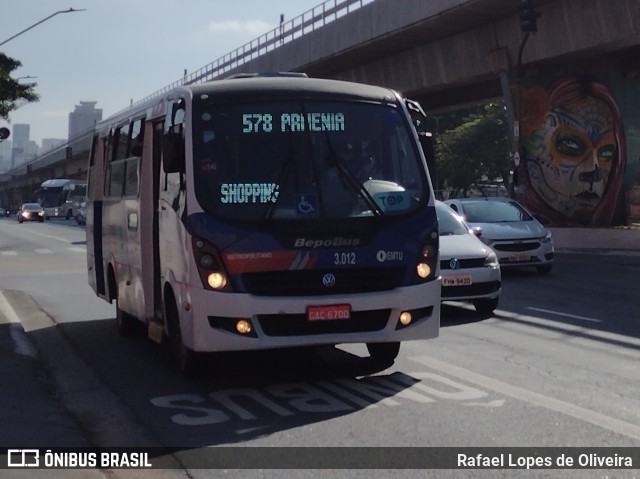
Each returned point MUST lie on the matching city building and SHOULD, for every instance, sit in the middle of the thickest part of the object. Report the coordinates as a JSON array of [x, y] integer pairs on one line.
[[5, 155], [20, 148], [83, 118]]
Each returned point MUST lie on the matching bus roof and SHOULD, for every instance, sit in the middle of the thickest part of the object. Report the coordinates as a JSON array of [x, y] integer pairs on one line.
[[275, 86], [288, 85]]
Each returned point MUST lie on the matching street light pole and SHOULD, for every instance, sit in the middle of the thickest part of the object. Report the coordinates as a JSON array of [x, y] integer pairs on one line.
[[41, 21]]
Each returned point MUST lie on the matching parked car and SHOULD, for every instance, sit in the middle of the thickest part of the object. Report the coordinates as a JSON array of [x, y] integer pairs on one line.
[[31, 212], [515, 235], [469, 268], [81, 213]]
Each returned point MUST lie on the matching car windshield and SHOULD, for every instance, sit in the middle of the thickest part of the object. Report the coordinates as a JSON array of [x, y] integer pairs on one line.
[[31, 206], [494, 212], [449, 223], [305, 160]]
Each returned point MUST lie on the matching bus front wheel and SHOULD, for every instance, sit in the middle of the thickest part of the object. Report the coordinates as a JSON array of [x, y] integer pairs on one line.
[[186, 359], [384, 352]]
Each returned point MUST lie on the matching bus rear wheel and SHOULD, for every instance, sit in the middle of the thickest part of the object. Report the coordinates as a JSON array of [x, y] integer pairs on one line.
[[384, 352], [187, 360]]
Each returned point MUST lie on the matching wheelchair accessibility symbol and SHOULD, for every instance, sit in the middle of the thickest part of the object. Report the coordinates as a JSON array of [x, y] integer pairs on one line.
[[306, 204]]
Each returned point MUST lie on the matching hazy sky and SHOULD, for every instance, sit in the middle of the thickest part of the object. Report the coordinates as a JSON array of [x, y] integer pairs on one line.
[[119, 50]]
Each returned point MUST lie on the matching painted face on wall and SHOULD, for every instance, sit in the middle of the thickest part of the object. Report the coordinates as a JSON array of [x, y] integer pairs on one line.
[[570, 156]]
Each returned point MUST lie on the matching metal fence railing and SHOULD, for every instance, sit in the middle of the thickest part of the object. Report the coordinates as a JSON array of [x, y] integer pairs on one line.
[[286, 32]]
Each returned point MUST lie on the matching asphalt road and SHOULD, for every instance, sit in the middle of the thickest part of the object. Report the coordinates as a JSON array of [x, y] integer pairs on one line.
[[555, 366]]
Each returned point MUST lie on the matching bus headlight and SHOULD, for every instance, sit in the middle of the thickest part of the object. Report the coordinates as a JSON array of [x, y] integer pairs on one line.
[[427, 260], [210, 267], [216, 280], [423, 270]]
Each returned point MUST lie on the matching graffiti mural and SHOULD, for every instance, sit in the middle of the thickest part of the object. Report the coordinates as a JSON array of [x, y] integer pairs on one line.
[[573, 151]]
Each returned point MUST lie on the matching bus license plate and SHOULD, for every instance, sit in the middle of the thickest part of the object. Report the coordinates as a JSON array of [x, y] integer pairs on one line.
[[329, 313], [458, 280]]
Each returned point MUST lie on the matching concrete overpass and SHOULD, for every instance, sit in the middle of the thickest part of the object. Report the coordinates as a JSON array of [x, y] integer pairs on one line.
[[445, 53]]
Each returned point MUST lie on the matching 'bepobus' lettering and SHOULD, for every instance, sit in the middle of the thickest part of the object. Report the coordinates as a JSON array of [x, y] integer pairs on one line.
[[336, 242]]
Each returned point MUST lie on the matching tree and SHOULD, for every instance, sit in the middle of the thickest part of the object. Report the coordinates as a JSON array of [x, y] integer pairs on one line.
[[477, 149], [12, 93]]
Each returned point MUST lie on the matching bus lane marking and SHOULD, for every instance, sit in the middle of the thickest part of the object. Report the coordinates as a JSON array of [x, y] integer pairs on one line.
[[565, 315], [587, 415], [321, 397]]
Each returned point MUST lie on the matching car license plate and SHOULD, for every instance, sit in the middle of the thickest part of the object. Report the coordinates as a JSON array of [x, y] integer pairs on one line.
[[329, 313], [518, 258], [457, 280]]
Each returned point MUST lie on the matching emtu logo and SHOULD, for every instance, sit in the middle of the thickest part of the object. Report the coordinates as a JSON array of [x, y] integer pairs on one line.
[[23, 458]]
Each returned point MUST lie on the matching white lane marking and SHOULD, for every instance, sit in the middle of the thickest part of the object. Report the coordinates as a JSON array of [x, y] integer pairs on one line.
[[537, 399], [56, 238], [44, 251], [566, 315], [77, 249], [584, 332], [7, 311], [20, 341], [8, 253]]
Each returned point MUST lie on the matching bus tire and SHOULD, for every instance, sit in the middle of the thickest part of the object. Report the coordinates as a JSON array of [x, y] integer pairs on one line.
[[384, 352], [186, 359]]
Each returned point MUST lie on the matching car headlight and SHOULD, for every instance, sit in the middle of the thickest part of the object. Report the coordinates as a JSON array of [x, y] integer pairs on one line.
[[546, 238], [491, 260]]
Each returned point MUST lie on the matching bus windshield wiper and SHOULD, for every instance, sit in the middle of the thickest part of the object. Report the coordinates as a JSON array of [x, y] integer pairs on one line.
[[351, 181]]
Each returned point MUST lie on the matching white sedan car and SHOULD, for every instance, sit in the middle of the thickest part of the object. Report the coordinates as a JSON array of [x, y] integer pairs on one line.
[[470, 270], [514, 234]]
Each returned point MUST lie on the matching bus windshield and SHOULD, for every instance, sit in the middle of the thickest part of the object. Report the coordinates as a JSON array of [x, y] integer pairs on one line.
[[305, 160]]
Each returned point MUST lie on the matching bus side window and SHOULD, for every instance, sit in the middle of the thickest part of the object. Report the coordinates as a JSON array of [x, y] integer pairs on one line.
[[116, 179], [118, 146], [134, 155], [131, 176]]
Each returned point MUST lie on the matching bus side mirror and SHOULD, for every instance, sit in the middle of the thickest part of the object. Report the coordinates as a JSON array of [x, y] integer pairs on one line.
[[418, 116], [173, 152]]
